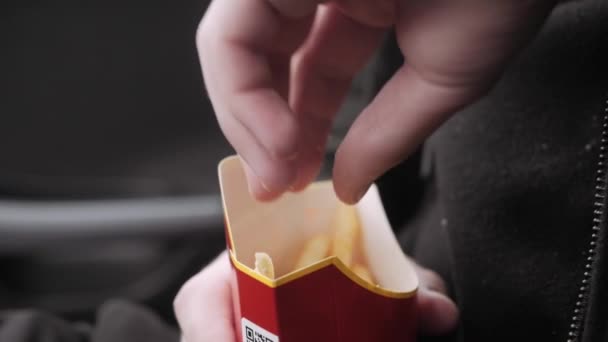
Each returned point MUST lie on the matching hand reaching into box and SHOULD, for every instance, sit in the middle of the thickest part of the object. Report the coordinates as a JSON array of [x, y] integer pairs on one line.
[[277, 71]]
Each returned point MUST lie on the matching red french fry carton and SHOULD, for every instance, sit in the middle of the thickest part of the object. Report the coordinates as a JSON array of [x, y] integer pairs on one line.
[[325, 301]]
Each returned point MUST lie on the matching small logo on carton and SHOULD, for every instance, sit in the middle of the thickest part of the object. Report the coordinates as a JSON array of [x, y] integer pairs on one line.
[[254, 333]]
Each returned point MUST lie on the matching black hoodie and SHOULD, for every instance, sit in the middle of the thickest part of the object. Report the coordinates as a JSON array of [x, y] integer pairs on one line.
[[513, 208]]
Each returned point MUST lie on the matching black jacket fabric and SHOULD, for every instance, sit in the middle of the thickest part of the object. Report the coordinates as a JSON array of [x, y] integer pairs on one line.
[[507, 208], [508, 211]]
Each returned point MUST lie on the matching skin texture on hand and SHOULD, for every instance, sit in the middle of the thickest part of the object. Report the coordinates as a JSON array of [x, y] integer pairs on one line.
[[278, 70], [203, 306]]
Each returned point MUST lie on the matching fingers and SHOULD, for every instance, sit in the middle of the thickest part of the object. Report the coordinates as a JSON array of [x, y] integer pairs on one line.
[[401, 116], [437, 313], [203, 306], [455, 50], [431, 280], [244, 67], [257, 187], [337, 48]]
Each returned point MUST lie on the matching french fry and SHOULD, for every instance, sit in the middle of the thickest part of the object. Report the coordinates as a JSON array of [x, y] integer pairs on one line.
[[314, 250], [347, 228], [263, 265], [363, 272], [342, 241]]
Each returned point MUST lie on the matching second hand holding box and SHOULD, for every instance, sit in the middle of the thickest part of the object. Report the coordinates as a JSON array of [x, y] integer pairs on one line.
[[337, 272]]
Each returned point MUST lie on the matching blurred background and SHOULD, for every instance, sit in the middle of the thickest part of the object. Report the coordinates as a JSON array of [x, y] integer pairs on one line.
[[108, 153]]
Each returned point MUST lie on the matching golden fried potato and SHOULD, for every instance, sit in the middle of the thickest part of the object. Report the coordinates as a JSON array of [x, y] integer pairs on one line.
[[346, 225], [363, 272], [314, 250], [263, 265]]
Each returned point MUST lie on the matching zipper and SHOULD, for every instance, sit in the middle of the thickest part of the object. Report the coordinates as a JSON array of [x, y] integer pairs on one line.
[[599, 216]]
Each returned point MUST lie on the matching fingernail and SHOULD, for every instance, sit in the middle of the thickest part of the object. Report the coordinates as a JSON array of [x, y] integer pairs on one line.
[[264, 186], [252, 188], [253, 178]]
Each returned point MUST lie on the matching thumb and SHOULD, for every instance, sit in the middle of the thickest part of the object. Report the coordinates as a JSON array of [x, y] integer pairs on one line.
[[401, 116], [437, 314], [203, 306]]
